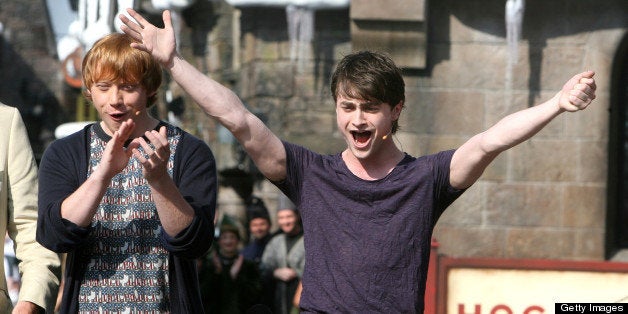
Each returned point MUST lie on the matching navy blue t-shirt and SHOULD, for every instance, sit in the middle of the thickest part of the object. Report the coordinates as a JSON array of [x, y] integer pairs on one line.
[[367, 243]]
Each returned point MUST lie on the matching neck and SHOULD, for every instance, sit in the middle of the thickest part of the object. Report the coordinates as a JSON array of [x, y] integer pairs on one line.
[[144, 123], [375, 166], [228, 254]]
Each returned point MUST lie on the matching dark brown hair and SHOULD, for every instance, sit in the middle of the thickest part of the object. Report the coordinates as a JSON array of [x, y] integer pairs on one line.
[[370, 76]]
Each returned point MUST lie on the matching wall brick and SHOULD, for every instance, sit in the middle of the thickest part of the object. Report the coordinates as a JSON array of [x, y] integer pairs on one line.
[[538, 243], [545, 198]]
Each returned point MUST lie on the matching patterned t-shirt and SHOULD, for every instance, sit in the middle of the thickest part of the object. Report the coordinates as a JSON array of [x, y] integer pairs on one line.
[[127, 270]]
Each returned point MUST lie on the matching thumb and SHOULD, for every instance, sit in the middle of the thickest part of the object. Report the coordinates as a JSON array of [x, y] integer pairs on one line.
[[167, 19]]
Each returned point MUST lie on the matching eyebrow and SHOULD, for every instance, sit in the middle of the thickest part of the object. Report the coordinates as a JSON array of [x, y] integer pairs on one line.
[[366, 103]]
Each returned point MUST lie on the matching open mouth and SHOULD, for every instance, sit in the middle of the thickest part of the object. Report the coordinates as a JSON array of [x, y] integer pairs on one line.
[[118, 116], [361, 137]]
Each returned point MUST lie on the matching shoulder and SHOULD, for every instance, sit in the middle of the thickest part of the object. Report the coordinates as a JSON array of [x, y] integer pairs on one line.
[[9, 117], [69, 145], [298, 155], [276, 239], [73, 139], [439, 158], [7, 112]]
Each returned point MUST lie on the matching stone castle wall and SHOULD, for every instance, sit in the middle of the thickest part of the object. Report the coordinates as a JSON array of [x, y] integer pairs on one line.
[[545, 198]]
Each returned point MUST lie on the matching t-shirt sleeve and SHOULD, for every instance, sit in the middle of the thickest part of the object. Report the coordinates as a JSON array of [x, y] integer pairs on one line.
[[445, 194], [297, 159]]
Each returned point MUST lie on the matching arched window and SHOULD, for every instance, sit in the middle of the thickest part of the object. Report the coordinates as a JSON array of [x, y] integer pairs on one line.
[[617, 213]]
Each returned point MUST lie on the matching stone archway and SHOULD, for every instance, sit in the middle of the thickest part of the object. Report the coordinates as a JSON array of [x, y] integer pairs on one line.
[[617, 210]]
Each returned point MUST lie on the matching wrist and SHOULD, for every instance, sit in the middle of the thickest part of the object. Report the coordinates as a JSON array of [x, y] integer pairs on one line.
[[161, 183], [173, 61], [101, 176]]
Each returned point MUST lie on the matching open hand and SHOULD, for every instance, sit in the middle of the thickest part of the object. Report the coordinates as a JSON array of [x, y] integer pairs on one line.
[[159, 42], [155, 156], [116, 157], [237, 265], [285, 274]]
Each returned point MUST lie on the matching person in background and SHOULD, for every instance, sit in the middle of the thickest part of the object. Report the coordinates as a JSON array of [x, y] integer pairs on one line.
[[259, 231], [40, 268], [259, 236], [230, 284], [130, 199], [368, 211], [284, 258]]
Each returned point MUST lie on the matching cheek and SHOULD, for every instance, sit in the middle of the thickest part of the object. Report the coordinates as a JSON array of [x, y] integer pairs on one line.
[[342, 120], [135, 98], [97, 96]]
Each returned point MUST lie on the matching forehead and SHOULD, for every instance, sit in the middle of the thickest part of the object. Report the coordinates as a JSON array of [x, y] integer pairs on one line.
[[344, 100], [228, 234], [258, 221], [285, 213]]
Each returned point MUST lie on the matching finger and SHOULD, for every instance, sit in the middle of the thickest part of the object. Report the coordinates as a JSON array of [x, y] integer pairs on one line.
[[153, 141], [579, 100], [161, 136], [129, 26], [587, 74], [115, 141], [136, 35], [163, 131], [120, 136], [141, 22], [126, 128], [160, 141], [140, 157], [167, 19], [584, 88], [589, 82], [587, 89], [146, 147], [132, 146]]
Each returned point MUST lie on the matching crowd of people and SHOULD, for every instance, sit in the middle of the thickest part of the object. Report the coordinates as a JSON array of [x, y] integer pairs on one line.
[[260, 274], [130, 201]]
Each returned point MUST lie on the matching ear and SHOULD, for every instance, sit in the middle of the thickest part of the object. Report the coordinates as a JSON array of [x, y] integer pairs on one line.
[[396, 110]]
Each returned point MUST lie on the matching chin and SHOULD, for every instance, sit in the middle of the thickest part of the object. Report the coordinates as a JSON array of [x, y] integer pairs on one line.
[[361, 153]]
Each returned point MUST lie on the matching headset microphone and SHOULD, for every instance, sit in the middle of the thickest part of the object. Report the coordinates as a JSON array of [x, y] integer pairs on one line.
[[387, 135]]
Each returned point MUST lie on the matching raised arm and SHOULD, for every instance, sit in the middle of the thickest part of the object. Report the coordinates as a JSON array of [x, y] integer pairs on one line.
[[217, 101], [470, 160]]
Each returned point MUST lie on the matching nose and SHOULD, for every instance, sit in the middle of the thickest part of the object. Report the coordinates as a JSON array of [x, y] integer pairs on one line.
[[115, 96], [358, 117]]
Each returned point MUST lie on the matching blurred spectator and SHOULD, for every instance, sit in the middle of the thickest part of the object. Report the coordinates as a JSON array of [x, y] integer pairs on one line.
[[229, 283], [259, 230], [260, 235], [284, 257]]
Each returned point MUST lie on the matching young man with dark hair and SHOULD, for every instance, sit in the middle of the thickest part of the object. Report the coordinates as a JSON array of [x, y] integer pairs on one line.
[[369, 211]]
